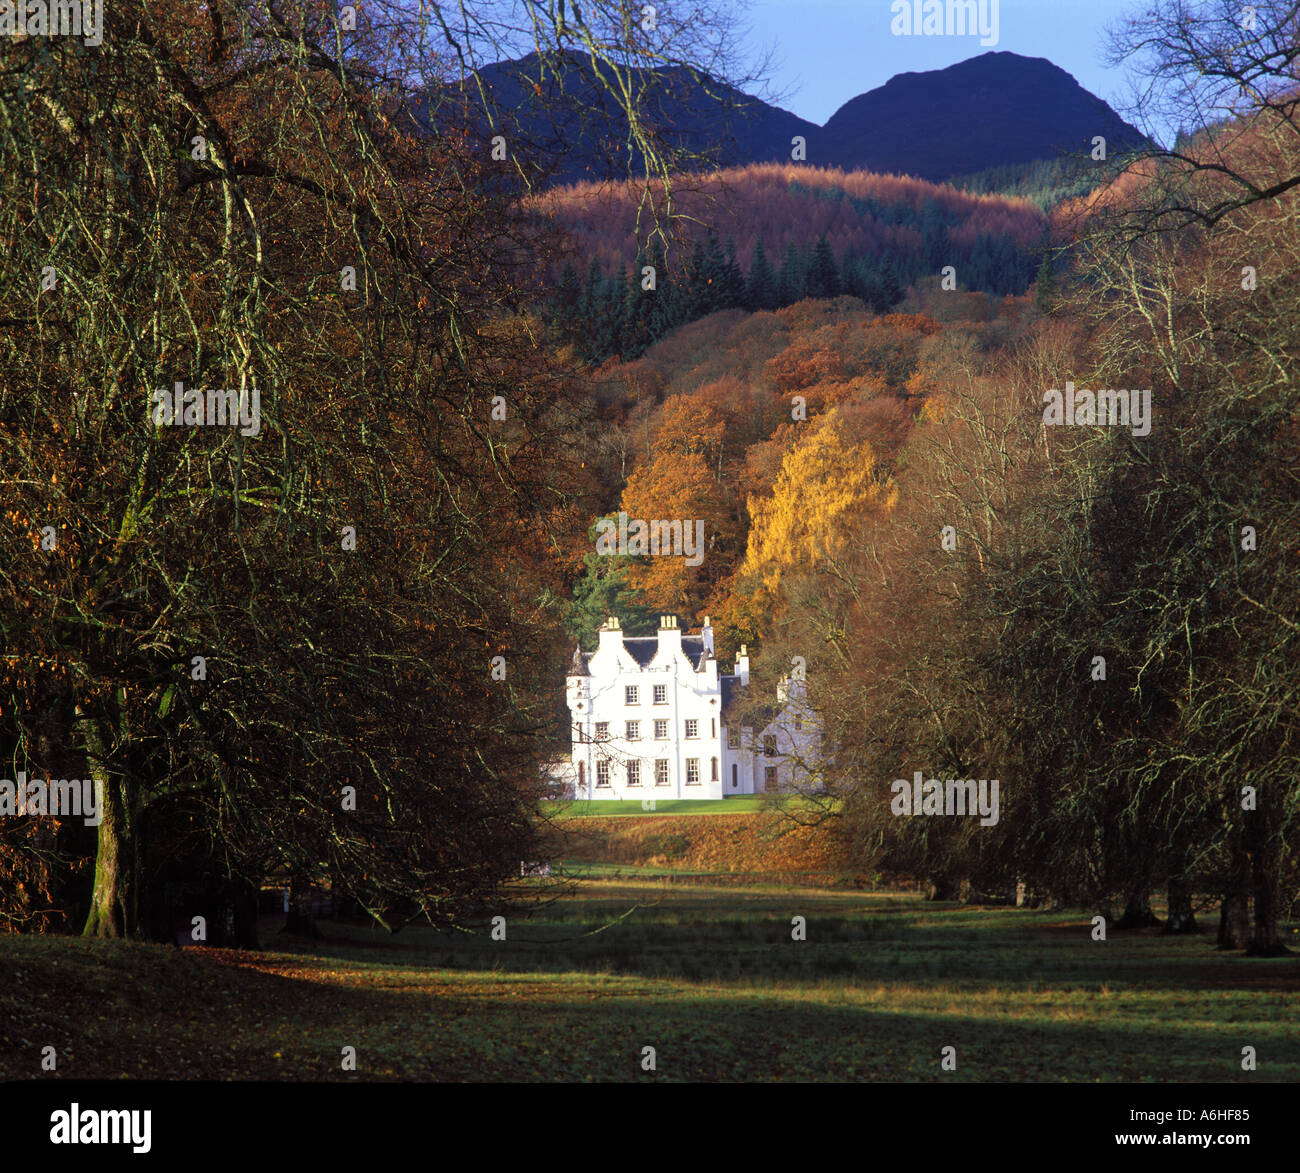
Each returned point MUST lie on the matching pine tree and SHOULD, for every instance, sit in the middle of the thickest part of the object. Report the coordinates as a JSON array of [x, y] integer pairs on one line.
[[692, 300], [713, 291], [611, 316], [627, 330], [662, 301], [761, 292], [891, 289], [733, 285], [823, 275], [589, 302], [861, 279], [791, 284], [568, 293]]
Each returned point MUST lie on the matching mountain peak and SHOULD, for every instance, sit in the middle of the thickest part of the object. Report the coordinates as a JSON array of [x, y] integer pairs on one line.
[[995, 109], [990, 110]]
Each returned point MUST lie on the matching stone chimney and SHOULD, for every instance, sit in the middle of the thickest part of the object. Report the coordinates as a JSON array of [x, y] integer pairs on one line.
[[670, 635], [706, 633], [610, 635], [742, 664]]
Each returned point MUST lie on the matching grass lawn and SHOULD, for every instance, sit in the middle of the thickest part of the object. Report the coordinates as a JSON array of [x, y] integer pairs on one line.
[[709, 977]]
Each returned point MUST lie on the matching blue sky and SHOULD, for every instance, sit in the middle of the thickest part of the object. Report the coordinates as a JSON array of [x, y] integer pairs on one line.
[[828, 51]]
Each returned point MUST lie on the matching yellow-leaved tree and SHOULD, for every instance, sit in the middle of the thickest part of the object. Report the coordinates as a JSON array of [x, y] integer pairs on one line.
[[827, 484]]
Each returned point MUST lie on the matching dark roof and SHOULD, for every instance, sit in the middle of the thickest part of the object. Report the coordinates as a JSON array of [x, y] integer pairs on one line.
[[642, 648]]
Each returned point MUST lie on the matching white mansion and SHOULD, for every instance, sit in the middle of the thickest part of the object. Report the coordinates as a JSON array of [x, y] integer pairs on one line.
[[652, 717]]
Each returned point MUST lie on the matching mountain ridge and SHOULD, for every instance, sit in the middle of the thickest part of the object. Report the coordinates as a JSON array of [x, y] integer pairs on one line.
[[1026, 109]]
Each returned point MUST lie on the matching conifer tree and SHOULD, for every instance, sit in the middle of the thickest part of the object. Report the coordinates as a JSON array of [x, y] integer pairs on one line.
[[792, 282], [662, 302], [823, 275], [733, 285], [589, 302], [692, 299], [891, 288], [714, 278], [567, 296], [761, 292]]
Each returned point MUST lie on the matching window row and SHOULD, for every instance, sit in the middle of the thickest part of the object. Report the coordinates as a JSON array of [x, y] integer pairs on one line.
[[632, 730], [633, 770], [632, 694]]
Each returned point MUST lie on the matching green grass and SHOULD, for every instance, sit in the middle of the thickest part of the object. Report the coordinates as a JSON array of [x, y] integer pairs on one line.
[[741, 804], [709, 977]]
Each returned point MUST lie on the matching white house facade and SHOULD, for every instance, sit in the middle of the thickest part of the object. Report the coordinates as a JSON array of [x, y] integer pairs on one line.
[[653, 717]]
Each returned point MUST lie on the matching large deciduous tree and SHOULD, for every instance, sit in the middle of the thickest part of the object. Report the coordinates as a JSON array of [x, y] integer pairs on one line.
[[302, 641]]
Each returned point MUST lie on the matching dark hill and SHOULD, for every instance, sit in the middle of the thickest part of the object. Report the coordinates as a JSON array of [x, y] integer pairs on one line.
[[989, 111], [570, 130]]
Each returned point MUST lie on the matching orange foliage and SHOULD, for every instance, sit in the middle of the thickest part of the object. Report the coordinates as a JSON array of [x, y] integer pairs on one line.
[[783, 204]]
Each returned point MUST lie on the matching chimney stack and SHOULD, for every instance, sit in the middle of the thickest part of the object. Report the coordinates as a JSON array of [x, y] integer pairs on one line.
[[742, 664], [610, 635], [706, 633], [670, 635]]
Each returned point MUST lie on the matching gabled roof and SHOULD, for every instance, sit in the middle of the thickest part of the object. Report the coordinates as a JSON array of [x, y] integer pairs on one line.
[[642, 648]]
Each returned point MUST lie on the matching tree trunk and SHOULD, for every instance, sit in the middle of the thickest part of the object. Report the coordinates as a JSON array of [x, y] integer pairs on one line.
[[1234, 916], [246, 916], [299, 919], [1265, 865], [941, 887], [115, 897], [1137, 912], [114, 900], [1182, 919]]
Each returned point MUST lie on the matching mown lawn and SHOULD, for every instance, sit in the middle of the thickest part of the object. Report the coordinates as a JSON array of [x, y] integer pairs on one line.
[[710, 978]]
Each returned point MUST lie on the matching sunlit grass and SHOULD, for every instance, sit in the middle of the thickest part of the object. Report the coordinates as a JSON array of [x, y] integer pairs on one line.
[[709, 977]]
